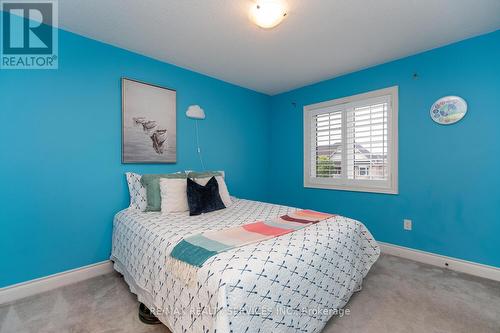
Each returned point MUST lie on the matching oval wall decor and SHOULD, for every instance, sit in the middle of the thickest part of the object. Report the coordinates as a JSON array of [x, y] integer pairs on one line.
[[448, 110]]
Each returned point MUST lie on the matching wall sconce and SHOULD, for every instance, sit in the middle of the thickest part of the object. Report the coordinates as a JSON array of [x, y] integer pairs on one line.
[[196, 112]]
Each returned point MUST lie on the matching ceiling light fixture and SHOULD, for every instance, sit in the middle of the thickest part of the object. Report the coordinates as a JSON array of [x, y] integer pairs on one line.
[[268, 13]]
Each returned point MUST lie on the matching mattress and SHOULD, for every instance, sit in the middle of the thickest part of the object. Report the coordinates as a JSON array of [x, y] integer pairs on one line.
[[294, 282]]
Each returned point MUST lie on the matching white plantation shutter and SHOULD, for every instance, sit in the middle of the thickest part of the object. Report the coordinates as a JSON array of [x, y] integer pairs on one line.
[[328, 145], [351, 143], [367, 142]]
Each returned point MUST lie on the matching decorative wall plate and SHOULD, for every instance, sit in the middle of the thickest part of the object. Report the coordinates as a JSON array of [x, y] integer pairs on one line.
[[448, 110]]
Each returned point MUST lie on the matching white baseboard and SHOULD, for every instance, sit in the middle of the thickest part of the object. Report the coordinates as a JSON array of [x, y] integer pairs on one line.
[[24, 289], [33, 287], [463, 266]]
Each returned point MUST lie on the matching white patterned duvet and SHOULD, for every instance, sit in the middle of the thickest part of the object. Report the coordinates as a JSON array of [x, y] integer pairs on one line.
[[293, 283]]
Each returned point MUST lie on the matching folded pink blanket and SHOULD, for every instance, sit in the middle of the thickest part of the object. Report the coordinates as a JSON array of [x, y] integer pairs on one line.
[[193, 251]]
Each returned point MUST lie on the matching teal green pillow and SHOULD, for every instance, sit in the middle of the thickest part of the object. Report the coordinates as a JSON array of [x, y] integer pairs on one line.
[[204, 174], [152, 185]]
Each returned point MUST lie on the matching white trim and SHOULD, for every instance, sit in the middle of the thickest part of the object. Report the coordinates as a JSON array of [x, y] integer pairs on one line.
[[356, 188], [36, 286], [389, 186], [463, 266], [24, 289]]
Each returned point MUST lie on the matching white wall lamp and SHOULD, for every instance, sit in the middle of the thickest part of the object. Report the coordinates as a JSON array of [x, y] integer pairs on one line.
[[196, 112]]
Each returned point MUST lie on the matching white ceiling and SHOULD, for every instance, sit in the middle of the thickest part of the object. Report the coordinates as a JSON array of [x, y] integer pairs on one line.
[[319, 39]]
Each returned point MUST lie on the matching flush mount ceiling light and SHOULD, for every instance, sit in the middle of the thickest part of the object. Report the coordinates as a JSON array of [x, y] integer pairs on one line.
[[268, 13]]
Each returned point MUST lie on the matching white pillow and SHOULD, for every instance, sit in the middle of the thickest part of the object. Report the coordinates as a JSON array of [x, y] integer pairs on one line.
[[223, 191], [173, 195], [137, 191]]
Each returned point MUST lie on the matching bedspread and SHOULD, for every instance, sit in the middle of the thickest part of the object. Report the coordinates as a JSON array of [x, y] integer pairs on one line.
[[294, 282]]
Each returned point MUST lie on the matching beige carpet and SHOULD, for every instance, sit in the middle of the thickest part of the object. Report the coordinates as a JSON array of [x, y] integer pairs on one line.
[[398, 296]]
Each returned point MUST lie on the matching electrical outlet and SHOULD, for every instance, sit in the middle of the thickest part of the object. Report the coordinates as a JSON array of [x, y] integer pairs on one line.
[[407, 224]]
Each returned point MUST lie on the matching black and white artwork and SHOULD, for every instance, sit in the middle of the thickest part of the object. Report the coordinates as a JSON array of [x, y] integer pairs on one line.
[[148, 123]]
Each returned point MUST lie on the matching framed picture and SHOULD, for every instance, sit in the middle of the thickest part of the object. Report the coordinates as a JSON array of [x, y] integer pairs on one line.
[[148, 123]]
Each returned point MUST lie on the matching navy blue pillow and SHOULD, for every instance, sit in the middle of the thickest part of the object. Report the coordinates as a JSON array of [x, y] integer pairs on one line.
[[203, 199]]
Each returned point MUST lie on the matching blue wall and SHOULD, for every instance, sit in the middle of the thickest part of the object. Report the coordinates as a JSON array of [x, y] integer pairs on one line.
[[449, 182], [60, 151]]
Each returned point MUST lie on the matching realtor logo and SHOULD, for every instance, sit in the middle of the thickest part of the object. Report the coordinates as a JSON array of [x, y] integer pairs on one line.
[[29, 35]]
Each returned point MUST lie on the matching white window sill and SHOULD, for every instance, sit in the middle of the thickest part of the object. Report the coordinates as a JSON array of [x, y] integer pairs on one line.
[[357, 188]]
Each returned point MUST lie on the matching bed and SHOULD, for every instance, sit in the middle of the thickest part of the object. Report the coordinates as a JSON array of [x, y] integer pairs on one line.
[[294, 282]]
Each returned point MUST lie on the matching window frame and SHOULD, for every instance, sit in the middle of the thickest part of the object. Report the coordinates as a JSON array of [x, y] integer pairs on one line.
[[388, 187]]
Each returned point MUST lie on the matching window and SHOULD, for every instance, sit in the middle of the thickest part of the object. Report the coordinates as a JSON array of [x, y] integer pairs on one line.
[[351, 143], [363, 171]]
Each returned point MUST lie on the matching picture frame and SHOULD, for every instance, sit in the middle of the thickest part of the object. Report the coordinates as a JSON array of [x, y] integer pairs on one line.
[[149, 128]]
